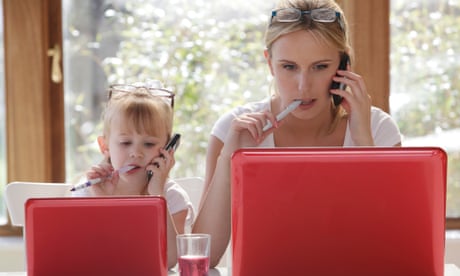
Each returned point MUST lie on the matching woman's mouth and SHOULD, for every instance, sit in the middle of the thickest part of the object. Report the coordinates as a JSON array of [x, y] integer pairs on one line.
[[307, 103]]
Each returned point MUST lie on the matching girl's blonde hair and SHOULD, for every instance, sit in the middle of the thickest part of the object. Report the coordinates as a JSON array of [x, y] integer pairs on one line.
[[333, 34], [145, 111]]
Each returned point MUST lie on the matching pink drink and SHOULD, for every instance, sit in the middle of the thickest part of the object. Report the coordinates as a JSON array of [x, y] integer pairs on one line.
[[192, 265]]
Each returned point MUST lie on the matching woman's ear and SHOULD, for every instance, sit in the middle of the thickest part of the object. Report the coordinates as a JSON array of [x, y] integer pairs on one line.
[[269, 60], [103, 146]]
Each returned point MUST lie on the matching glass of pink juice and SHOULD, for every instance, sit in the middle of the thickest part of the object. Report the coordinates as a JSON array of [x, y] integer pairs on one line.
[[193, 254]]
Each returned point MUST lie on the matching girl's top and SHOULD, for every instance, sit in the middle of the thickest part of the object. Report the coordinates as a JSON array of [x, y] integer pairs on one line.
[[176, 197]]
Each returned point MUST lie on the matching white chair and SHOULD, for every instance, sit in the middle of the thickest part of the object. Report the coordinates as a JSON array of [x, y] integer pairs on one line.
[[194, 187], [17, 193]]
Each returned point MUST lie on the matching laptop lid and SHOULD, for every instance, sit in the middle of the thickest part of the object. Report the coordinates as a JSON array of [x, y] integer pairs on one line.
[[96, 236], [338, 211]]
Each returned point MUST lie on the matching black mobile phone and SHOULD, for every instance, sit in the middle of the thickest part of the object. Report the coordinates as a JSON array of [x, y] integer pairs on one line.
[[172, 144], [344, 61]]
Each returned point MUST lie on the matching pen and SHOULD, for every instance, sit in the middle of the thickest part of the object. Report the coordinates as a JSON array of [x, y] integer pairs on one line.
[[99, 179], [283, 113]]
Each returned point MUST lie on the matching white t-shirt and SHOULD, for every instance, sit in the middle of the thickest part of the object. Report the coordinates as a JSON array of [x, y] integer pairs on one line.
[[176, 197], [384, 129]]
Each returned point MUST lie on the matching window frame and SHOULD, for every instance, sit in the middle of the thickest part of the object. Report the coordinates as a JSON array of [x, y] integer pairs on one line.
[[35, 105]]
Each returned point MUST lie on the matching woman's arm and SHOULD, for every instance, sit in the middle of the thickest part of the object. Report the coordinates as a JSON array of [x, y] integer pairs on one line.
[[214, 216], [214, 213]]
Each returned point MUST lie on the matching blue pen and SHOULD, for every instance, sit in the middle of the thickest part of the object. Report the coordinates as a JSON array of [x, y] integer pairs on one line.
[[99, 179]]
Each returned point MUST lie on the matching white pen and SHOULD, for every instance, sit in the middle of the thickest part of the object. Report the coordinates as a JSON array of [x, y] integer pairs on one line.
[[99, 179], [283, 113]]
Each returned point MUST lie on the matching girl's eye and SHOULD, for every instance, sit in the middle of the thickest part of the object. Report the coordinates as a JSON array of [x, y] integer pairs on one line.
[[125, 143], [150, 145]]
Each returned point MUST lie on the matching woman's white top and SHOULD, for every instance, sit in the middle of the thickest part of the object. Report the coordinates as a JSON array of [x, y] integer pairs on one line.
[[384, 129]]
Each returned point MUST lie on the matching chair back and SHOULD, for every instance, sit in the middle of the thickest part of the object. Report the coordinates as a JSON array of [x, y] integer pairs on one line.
[[194, 187], [17, 193]]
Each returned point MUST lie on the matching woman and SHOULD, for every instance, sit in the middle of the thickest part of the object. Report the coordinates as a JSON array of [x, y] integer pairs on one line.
[[306, 40]]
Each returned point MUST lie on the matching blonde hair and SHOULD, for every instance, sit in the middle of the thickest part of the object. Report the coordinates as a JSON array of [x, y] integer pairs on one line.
[[147, 112], [332, 34]]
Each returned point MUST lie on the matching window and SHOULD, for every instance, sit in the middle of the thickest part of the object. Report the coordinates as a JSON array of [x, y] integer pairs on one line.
[[210, 53], [425, 83]]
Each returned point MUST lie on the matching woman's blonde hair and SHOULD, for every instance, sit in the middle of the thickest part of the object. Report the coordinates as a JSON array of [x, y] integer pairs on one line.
[[333, 34], [147, 112]]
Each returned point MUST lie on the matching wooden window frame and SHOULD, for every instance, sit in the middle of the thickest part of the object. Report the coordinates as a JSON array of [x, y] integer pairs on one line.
[[34, 104]]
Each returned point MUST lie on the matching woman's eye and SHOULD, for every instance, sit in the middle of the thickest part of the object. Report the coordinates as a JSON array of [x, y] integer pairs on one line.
[[289, 66], [319, 67]]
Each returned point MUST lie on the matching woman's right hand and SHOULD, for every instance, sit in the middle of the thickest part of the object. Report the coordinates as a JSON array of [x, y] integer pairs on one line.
[[246, 130]]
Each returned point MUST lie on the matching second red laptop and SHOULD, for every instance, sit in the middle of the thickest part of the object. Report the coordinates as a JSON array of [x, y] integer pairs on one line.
[[96, 236]]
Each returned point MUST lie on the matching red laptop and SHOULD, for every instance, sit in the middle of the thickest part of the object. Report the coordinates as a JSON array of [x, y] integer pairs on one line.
[[338, 211], [96, 236]]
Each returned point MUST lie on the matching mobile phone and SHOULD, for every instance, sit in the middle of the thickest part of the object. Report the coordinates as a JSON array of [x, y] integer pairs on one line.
[[344, 61], [172, 144]]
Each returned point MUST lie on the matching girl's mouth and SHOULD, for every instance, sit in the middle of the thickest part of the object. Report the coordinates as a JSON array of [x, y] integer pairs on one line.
[[128, 169]]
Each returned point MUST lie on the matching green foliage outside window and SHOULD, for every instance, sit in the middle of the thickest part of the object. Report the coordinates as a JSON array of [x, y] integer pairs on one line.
[[425, 78], [211, 54]]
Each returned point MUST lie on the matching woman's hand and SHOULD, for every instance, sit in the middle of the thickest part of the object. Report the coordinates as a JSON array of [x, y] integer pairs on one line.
[[159, 168], [357, 102], [246, 130]]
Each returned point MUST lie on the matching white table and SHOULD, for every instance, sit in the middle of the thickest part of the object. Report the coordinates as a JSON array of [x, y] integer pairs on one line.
[[449, 270]]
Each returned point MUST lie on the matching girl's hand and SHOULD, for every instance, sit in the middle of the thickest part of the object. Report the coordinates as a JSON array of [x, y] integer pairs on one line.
[[105, 171], [160, 167], [357, 103]]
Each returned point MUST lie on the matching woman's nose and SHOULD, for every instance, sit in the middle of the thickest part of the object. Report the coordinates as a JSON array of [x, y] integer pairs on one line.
[[303, 83]]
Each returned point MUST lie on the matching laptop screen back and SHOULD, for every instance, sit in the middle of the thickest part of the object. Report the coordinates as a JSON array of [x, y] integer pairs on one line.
[[338, 211], [96, 236]]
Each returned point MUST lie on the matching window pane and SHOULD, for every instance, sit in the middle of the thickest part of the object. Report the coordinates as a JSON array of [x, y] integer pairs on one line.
[[2, 123], [425, 83], [209, 52]]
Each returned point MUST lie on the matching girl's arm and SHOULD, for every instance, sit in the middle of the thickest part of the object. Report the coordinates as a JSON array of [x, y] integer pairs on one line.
[[175, 225]]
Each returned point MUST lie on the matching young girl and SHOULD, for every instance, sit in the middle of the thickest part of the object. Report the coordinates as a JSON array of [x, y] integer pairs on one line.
[[137, 126], [305, 40]]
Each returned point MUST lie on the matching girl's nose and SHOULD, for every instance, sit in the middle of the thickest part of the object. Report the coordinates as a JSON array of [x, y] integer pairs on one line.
[[136, 153]]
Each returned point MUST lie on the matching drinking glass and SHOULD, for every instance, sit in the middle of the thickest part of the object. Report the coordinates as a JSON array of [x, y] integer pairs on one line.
[[193, 254]]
